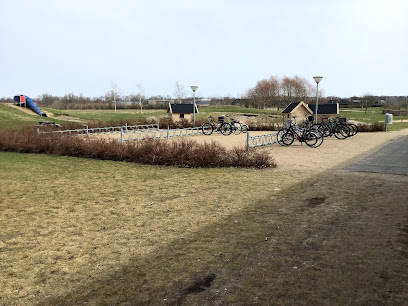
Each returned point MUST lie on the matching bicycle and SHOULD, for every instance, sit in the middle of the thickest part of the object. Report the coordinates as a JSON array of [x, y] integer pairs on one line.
[[238, 127], [220, 127], [333, 127], [288, 136]]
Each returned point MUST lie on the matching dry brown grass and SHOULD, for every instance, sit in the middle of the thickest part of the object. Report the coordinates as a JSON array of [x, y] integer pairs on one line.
[[79, 231], [69, 223], [82, 231]]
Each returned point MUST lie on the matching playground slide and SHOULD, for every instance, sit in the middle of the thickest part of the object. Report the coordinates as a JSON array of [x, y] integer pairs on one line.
[[31, 105]]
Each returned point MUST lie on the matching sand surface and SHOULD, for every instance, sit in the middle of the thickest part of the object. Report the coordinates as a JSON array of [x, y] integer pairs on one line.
[[333, 153]]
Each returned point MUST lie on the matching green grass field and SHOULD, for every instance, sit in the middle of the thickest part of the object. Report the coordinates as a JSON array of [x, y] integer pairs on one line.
[[13, 118], [106, 115], [373, 114]]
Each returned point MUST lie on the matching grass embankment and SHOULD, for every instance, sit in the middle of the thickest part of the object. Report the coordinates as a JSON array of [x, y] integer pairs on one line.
[[234, 109], [107, 115], [75, 227], [372, 115], [11, 118]]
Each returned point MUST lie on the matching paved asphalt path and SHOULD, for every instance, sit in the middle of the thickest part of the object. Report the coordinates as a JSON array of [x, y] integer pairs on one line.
[[392, 159]]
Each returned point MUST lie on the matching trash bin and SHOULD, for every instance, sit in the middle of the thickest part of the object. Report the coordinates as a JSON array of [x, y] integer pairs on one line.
[[388, 118]]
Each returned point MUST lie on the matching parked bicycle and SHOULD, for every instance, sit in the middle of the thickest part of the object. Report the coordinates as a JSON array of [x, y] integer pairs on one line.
[[337, 127], [291, 131], [238, 127], [220, 127]]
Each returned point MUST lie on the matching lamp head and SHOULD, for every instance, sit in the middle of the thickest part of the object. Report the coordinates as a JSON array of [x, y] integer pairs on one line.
[[194, 88], [318, 79]]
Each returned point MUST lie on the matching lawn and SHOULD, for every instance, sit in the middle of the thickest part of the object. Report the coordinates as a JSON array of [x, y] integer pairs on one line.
[[134, 115], [373, 114], [78, 231], [71, 225], [107, 115], [13, 118], [233, 109]]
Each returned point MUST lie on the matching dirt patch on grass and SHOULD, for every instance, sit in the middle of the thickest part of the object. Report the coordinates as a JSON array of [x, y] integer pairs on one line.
[[25, 110]]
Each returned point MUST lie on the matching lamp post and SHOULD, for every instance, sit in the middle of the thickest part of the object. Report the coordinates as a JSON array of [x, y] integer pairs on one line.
[[317, 80], [194, 88]]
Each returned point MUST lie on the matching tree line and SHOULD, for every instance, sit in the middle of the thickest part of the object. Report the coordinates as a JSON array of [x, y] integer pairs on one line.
[[272, 92], [275, 92]]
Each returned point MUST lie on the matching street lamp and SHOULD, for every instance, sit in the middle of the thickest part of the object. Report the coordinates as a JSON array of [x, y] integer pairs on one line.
[[317, 80], [194, 88]]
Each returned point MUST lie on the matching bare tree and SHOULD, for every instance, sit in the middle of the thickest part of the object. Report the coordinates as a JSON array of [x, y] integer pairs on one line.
[[140, 96], [265, 93], [114, 93], [179, 92], [367, 98]]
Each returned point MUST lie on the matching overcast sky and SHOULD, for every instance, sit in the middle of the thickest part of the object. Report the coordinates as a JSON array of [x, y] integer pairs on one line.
[[222, 46]]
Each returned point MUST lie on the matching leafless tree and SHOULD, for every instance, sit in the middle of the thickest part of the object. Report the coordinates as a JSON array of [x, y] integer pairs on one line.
[[179, 92], [140, 96], [113, 94], [265, 93]]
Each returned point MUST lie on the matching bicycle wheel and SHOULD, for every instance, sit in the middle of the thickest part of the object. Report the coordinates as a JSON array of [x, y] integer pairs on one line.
[[287, 139], [279, 136], [244, 128], [207, 128], [339, 132], [326, 130], [226, 129], [354, 129], [312, 140], [318, 129], [236, 128]]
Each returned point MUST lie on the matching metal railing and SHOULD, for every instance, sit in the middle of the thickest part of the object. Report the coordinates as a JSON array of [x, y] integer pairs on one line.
[[158, 134], [260, 141], [106, 130]]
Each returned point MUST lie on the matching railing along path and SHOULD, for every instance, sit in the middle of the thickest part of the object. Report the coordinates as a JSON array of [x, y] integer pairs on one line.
[[106, 130]]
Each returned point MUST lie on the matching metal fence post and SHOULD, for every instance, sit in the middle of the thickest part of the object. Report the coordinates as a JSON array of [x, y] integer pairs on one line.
[[168, 131], [126, 126], [87, 130], [247, 141], [121, 135]]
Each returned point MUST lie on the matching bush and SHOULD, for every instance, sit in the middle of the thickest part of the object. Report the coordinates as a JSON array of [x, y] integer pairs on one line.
[[374, 127], [181, 153]]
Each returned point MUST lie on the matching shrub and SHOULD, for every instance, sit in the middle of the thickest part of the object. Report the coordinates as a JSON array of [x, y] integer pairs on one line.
[[374, 127], [181, 153]]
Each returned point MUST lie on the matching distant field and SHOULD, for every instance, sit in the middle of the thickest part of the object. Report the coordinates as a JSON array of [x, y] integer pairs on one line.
[[106, 115], [12, 118], [373, 114]]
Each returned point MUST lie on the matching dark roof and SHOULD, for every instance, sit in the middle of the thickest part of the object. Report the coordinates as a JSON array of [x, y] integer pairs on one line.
[[183, 108], [290, 108], [324, 109]]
